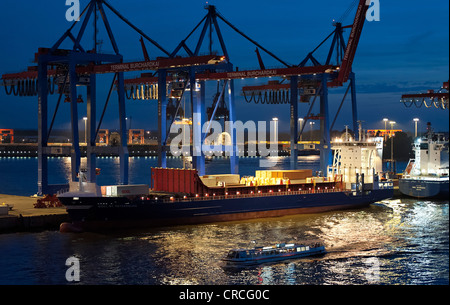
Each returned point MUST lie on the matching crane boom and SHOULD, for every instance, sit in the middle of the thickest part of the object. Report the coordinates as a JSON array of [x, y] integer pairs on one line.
[[152, 65], [353, 40]]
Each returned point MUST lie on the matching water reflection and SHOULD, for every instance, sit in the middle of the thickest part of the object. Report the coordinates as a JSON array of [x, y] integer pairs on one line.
[[192, 254], [396, 242]]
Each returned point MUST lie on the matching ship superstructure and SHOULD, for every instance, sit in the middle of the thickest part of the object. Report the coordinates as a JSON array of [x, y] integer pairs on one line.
[[358, 163], [427, 175]]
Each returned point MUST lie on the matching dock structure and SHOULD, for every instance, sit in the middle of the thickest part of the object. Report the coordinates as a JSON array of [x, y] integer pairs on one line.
[[19, 214]]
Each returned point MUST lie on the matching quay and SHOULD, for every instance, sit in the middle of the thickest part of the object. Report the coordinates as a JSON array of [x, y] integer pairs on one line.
[[62, 150], [137, 150], [23, 216]]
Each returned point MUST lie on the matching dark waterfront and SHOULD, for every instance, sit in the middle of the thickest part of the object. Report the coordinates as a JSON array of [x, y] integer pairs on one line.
[[399, 241]]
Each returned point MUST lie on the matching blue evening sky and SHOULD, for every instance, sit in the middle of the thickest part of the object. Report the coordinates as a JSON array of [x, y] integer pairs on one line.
[[406, 51]]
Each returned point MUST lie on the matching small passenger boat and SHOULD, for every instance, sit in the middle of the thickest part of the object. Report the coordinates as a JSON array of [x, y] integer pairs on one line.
[[279, 252]]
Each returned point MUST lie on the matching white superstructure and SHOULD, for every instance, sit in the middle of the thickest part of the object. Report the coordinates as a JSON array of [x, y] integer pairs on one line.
[[352, 159], [357, 162], [430, 156]]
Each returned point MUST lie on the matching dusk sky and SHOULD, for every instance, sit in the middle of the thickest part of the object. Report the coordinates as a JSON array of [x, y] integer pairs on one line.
[[406, 51]]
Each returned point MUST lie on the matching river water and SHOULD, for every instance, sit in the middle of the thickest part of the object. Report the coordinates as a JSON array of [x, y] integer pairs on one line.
[[397, 241]]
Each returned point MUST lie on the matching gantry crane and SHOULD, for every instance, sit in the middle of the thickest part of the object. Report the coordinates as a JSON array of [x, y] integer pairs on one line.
[[429, 99], [224, 73], [316, 85], [60, 71]]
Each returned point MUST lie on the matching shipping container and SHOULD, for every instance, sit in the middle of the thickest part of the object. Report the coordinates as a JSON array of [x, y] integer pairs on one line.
[[175, 180], [285, 174], [124, 190]]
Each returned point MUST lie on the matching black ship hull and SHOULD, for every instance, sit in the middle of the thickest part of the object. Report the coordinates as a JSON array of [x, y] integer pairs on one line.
[[98, 213], [424, 188]]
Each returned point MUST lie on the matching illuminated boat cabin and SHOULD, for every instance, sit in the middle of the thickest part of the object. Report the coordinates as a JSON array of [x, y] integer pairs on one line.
[[273, 253]]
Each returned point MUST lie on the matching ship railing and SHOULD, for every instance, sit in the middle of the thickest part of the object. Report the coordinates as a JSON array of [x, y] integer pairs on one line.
[[208, 197]]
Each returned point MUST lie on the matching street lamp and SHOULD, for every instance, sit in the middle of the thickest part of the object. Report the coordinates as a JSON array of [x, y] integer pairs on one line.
[[416, 121], [392, 123], [392, 145], [85, 130], [311, 124], [385, 120]]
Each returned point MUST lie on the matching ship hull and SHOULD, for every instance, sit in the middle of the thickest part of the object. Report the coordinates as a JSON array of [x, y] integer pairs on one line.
[[99, 213], [424, 188]]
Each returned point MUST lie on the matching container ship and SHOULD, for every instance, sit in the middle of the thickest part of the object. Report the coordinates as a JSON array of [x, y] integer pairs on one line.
[[181, 196], [427, 175]]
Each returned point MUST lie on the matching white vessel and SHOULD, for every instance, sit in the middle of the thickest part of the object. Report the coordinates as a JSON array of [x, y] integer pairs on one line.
[[427, 175]]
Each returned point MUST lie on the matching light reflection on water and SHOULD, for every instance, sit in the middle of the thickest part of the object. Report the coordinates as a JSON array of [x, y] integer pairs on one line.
[[410, 239], [407, 238]]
